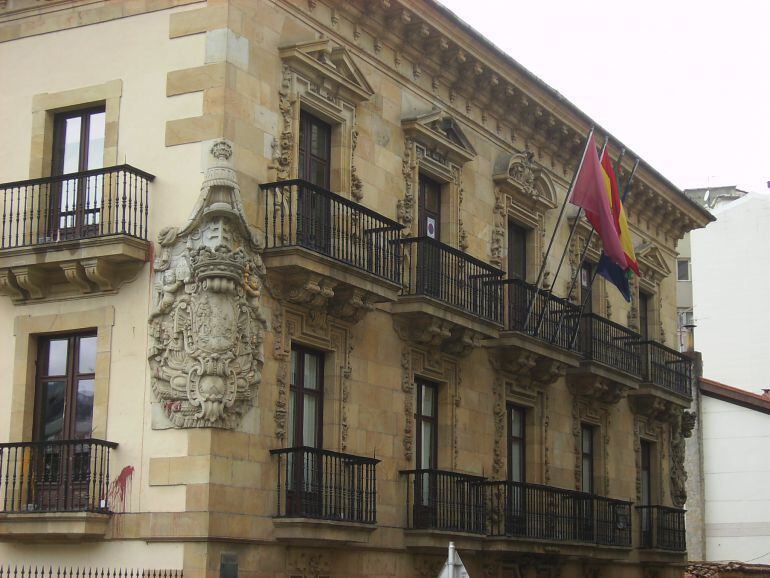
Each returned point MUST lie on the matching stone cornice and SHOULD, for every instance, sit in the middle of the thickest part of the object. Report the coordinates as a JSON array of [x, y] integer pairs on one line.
[[494, 92]]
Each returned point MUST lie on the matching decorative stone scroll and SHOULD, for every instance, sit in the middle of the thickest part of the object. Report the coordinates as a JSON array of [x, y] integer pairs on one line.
[[681, 429], [206, 327]]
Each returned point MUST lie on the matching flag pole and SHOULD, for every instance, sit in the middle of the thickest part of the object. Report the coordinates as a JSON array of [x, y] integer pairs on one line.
[[556, 228], [626, 190], [566, 247]]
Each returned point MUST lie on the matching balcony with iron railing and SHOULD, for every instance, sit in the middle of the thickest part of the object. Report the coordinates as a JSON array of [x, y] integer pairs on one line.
[[314, 237], [324, 495], [662, 528], [538, 512], [64, 484], [439, 500], [598, 341], [85, 232]]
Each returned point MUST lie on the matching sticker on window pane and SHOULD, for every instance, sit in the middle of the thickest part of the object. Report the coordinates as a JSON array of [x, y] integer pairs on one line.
[[431, 227]]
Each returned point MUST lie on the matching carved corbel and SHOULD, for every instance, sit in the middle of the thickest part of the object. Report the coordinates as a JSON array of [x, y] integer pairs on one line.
[[101, 273], [596, 389], [76, 276], [350, 304], [461, 342], [308, 289], [427, 331], [9, 286], [31, 280]]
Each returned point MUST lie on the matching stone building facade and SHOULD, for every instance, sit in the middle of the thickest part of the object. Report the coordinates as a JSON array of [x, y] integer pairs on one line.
[[277, 320]]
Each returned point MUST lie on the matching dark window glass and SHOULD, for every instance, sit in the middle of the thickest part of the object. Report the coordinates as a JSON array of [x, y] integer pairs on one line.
[[683, 270], [65, 387], [587, 462], [517, 251], [430, 208], [644, 314], [646, 451], [586, 276], [517, 419], [314, 150], [306, 398], [427, 424]]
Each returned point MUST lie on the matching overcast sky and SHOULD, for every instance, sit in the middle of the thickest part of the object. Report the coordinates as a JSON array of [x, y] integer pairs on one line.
[[684, 83]]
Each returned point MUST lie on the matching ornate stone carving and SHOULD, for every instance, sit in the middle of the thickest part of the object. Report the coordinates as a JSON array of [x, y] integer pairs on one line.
[[309, 564], [407, 386], [498, 411], [206, 327], [356, 185], [681, 428], [499, 230], [284, 148], [405, 207], [282, 374], [437, 335]]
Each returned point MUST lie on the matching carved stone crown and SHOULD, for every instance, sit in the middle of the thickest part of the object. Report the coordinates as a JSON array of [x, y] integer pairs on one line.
[[221, 268]]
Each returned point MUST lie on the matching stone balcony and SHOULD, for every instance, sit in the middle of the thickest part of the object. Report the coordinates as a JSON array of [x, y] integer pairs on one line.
[[79, 233], [328, 253]]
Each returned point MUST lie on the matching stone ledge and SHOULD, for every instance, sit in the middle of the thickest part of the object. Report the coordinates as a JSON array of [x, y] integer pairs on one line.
[[70, 268], [307, 530], [53, 526]]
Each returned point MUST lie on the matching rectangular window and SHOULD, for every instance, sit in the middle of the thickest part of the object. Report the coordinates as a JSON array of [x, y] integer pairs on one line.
[[427, 450], [430, 208], [306, 398], [66, 369], [315, 137], [78, 146], [586, 277], [646, 473], [683, 269], [517, 443], [587, 458], [645, 299], [517, 251]]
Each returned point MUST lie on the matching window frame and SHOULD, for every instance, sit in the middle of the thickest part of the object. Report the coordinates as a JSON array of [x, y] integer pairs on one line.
[[522, 233], [588, 455], [420, 417], [307, 120], [687, 263], [300, 391], [522, 440], [72, 376]]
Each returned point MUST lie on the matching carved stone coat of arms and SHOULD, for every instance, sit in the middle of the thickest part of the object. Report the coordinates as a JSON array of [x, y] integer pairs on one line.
[[206, 326]]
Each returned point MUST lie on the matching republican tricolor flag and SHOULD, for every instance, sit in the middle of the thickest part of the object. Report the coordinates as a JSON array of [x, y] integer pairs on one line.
[[596, 191]]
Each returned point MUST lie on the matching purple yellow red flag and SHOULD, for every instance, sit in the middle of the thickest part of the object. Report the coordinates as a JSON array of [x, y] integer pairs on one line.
[[590, 192]]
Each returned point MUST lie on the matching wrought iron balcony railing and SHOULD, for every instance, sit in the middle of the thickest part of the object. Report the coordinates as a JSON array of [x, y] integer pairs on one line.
[[551, 319], [666, 368], [662, 528], [300, 214], [326, 485], [55, 476], [446, 274], [95, 203], [546, 513], [610, 343], [449, 501]]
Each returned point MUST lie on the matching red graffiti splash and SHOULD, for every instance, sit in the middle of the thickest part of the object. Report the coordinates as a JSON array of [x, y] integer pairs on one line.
[[120, 489]]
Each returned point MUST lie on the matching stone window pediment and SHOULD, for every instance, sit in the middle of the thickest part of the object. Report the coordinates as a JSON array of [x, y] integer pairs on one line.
[[528, 185], [652, 263], [330, 68], [441, 136]]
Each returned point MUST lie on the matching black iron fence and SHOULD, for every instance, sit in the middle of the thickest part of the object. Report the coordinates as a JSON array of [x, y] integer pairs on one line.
[[611, 344], [298, 213], [446, 274], [441, 500], [49, 571], [326, 485], [666, 368], [55, 476], [662, 528], [546, 513], [551, 319], [95, 203]]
